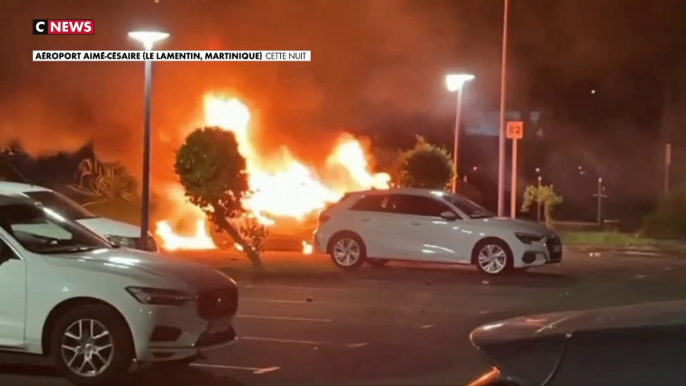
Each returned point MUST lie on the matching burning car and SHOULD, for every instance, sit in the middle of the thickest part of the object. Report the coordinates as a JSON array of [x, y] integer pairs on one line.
[[286, 194]]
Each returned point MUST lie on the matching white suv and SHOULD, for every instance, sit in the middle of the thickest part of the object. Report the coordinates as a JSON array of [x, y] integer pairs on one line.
[[430, 226], [94, 308], [121, 233]]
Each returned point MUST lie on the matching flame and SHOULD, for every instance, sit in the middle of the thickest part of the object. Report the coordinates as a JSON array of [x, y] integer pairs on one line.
[[172, 241], [280, 186], [351, 156], [307, 248]]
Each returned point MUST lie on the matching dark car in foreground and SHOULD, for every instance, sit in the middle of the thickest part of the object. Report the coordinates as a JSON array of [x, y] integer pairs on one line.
[[637, 345]]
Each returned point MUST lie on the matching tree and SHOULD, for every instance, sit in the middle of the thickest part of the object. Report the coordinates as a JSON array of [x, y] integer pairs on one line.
[[106, 189], [103, 182], [14, 158], [251, 229], [213, 174], [426, 166], [542, 195]]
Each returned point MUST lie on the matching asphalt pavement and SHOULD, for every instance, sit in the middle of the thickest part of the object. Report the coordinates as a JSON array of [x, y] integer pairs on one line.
[[404, 324]]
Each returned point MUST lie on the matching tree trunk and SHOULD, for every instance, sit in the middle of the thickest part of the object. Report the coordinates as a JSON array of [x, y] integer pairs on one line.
[[236, 236], [547, 214]]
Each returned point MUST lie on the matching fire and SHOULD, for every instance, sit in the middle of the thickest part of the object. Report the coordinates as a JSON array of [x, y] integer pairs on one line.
[[350, 155], [307, 248], [172, 241], [281, 186]]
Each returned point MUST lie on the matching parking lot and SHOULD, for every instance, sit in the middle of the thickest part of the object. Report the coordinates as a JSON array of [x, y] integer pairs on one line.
[[400, 325]]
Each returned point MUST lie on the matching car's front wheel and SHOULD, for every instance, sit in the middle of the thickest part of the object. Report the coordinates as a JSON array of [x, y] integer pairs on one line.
[[91, 344], [493, 257], [348, 251]]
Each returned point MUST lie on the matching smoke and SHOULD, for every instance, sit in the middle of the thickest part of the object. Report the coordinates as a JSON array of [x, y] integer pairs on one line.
[[364, 54], [372, 60]]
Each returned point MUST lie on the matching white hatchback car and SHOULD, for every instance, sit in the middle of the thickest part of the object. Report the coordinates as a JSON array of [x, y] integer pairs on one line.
[[430, 226], [121, 233], [93, 308]]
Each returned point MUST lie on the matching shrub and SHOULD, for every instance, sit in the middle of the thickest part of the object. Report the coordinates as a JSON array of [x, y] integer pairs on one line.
[[669, 219], [426, 166], [544, 195]]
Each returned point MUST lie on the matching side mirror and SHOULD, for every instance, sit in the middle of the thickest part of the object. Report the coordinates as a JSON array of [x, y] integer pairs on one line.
[[449, 216]]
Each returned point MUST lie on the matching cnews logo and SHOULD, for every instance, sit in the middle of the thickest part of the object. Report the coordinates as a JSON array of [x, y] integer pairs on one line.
[[62, 27]]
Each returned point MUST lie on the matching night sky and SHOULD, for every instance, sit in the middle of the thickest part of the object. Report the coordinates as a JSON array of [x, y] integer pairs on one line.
[[377, 69]]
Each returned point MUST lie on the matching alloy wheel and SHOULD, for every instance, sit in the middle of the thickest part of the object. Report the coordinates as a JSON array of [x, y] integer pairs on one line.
[[346, 252], [492, 259], [87, 347]]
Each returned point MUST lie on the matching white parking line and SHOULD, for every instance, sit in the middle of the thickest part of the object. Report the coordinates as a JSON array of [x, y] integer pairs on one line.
[[273, 300], [285, 318], [299, 288], [363, 305], [307, 342], [348, 322], [254, 370], [267, 370]]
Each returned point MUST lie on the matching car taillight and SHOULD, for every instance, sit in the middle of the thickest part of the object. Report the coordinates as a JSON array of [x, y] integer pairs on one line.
[[323, 218]]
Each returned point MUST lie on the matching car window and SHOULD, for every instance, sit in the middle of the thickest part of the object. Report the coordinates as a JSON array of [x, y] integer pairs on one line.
[[469, 208], [416, 205], [42, 230], [61, 204], [371, 203]]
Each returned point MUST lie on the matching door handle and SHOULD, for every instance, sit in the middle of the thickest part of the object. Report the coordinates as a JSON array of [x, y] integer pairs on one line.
[[415, 223]]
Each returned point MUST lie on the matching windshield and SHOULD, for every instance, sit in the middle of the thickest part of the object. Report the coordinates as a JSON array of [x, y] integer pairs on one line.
[[61, 204], [42, 230], [467, 207]]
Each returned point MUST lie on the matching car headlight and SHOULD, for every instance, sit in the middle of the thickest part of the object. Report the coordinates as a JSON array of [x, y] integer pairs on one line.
[[528, 238], [159, 297], [124, 242]]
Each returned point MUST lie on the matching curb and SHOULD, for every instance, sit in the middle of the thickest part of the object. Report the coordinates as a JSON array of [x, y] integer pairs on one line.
[[649, 252]]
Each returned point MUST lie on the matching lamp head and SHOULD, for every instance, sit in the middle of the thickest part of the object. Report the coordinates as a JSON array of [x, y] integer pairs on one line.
[[456, 81], [148, 38]]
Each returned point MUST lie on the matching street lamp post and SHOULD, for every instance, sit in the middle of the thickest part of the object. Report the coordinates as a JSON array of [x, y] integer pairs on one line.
[[455, 82], [538, 193], [501, 128], [148, 38], [600, 195]]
